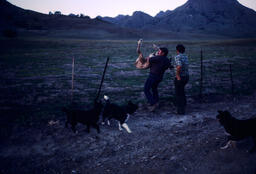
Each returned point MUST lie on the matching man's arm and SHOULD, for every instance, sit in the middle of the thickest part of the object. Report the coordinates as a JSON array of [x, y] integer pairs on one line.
[[138, 47], [178, 66], [145, 65], [178, 70], [153, 59]]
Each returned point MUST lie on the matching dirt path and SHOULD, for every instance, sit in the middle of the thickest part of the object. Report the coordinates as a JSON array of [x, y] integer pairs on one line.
[[161, 142]]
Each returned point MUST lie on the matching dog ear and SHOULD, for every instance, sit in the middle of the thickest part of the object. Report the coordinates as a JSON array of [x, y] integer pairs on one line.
[[226, 112], [99, 102], [220, 112]]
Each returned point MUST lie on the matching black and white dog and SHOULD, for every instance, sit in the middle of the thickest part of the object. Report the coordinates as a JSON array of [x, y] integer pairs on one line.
[[87, 117], [119, 113], [237, 129]]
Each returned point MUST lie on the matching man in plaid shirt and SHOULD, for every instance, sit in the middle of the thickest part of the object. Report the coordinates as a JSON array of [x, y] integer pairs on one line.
[[181, 65]]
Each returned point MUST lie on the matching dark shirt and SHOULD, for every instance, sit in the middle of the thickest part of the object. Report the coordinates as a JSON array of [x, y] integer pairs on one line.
[[158, 65]]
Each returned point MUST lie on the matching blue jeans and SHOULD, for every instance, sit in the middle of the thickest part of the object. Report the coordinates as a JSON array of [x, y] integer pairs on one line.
[[180, 95], [150, 88]]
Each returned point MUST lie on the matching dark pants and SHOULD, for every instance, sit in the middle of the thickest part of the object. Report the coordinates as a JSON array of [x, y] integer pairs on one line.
[[180, 96], [150, 88]]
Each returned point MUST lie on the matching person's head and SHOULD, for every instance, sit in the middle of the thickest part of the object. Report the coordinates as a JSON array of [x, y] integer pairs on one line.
[[180, 48], [163, 51]]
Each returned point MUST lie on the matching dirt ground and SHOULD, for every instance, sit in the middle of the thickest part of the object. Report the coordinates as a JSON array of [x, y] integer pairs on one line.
[[160, 142]]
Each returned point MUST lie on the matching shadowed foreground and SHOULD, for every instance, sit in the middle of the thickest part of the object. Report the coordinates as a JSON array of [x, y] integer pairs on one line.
[[161, 142]]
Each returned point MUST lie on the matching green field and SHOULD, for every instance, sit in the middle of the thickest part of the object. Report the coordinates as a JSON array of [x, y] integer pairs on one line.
[[36, 72]]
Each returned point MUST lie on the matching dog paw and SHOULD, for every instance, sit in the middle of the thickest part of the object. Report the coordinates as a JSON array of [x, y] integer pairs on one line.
[[224, 147], [229, 144], [126, 128]]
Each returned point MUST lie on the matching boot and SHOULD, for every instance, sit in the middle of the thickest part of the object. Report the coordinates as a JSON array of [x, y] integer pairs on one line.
[[181, 110], [153, 107]]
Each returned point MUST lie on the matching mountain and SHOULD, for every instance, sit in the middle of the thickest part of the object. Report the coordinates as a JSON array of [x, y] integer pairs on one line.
[[162, 14], [212, 16], [194, 19], [137, 20], [221, 17], [15, 21], [118, 20]]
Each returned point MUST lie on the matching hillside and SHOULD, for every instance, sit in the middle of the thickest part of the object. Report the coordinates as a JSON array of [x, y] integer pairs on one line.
[[28, 21], [13, 16]]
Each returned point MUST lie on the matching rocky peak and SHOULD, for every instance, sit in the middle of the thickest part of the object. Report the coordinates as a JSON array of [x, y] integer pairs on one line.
[[211, 4], [140, 14]]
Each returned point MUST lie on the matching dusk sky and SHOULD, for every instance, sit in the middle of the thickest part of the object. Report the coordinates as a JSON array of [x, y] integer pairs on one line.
[[109, 8]]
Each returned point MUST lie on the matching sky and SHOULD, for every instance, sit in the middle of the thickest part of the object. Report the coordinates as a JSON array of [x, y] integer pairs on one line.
[[109, 8]]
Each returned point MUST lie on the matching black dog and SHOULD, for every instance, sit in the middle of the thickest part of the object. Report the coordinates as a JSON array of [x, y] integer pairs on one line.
[[119, 113], [238, 129], [86, 117]]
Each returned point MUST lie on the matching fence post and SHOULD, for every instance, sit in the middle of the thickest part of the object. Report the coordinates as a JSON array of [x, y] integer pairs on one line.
[[73, 71], [231, 79], [102, 79], [201, 75]]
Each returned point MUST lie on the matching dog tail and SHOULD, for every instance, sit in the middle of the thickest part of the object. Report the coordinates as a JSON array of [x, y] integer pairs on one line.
[[106, 98], [64, 109]]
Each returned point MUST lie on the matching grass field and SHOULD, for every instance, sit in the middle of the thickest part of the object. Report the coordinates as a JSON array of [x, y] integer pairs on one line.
[[36, 72]]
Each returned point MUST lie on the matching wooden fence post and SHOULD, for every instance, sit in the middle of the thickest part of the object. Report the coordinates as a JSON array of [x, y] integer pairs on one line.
[[201, 75], [73, 70]]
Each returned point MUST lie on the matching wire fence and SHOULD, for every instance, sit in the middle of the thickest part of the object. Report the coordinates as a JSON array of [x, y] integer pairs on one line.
[[232, 77], [208, 76]]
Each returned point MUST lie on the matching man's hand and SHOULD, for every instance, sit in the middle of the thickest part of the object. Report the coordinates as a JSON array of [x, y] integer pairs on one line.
[[139, 45], [140, 42], [178, 77]]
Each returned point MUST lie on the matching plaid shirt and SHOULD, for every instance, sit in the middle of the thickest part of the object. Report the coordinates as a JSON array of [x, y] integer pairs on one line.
[[181, 60]]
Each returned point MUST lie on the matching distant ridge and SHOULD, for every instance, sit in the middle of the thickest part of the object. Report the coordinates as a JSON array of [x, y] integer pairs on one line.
[[195, 19], [221, 17], [31, 22], [138, 19]]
